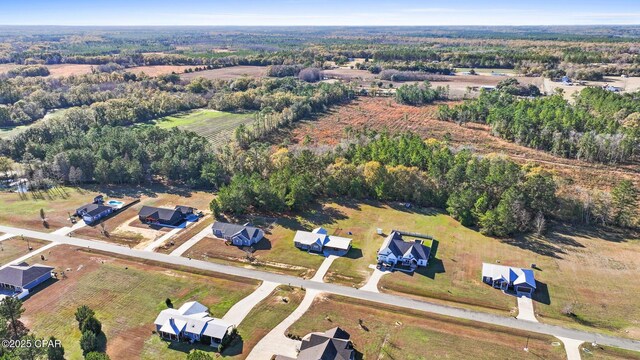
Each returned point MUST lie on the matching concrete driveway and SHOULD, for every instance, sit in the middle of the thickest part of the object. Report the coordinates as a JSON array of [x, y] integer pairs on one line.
[[525, 309], [324, 267], [372, 283], [241, 309]]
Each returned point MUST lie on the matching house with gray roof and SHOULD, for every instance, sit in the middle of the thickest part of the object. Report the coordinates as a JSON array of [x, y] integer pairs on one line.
[[17, 280], [192, 322], [509, 278], [395, 251], [164, 216], [240, 235], [319, 240], [333, 344]]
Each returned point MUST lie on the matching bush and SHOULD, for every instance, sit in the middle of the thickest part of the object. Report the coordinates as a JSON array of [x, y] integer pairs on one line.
[[94, 355], [88, 342]]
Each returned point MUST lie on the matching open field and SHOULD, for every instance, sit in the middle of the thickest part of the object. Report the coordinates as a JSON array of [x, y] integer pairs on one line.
[[64, 70], [131, 294], [18, 246], [155, 70], [7, 132], [391, 333], [275, 252], [384, 114], [228, 73], [262, 318], [216, 126], [607, 353]]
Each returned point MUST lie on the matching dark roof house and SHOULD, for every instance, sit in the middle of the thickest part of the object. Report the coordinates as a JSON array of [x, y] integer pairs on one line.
[[395, 250], [24, 276], [333, 344], [164, 216], [91, 213], [241, 235]]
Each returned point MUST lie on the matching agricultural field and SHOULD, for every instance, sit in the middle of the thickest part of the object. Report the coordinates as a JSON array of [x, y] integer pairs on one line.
[[65, 70], [18, 246], [384, 114], [131, 296], [385, 332], [228, 73], [216, 126]]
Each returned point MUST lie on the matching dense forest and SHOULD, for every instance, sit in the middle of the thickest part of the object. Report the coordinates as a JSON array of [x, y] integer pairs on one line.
[[601, 126]]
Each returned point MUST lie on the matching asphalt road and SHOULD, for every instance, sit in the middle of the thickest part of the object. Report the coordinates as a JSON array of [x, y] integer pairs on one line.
[[382, 298]]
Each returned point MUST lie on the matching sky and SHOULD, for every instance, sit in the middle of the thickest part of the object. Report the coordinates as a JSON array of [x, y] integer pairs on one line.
[[327, 12]]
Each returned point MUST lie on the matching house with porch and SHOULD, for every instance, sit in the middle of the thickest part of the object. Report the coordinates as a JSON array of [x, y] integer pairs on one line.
[[397, 252], [508, 278], [17, 280], [320, 241], [192, 323], [164, 216], [239, 235]]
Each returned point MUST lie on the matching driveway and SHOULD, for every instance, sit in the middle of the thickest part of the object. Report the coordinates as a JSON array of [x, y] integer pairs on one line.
[[29, 255], [239, 311], [372, 283], [382, 298], [525, 309], [324, 267], [6, 236], [572, 347], [154, 244], [276, 343], [191, 242]]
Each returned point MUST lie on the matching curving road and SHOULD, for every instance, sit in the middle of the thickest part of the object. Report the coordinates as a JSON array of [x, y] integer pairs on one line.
[[382, 298]]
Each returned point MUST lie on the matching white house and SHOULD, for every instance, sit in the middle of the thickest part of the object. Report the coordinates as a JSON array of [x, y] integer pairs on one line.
[[319, 241], [396, 251], [192, 322], [503, 277]]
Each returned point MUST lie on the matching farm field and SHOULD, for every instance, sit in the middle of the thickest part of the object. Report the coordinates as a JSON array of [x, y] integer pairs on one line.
[[216, 126], [65, 70], [384, 114], [228, 73], [131, 296], [18, 246], [581, 269], [391, 333]]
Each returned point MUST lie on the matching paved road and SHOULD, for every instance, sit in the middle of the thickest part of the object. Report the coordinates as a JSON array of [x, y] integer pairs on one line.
[[383, 298]]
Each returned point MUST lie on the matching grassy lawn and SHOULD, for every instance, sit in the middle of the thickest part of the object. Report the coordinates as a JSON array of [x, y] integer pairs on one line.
[[186, 234], [216, 126], [126, 296], [16, 247], [275, 252], [589, 272], [392, 333], [264, 317], [607, 353]]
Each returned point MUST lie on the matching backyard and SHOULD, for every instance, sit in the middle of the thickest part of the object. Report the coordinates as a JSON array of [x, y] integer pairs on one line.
[[131, 294], [385, 332]]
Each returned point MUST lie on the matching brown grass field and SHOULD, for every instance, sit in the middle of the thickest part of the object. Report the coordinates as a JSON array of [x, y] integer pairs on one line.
[[391, 333], [65, 70], [126, 296], [384, 114], [18, 246], [228, 73]]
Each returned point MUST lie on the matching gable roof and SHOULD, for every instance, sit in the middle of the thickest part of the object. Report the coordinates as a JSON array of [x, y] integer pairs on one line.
[[92, 209], [162, 214], [229, 229], [319, 236], [184, 210], [512, 275], [404, 249], [22, 274], [191, 317], [326, 347]]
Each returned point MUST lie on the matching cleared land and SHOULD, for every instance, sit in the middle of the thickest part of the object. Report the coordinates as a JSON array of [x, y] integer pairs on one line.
[[384, 114], [18, 246], [131, 294], [216, 126], [228, 73], [65, 70], [391, 333]]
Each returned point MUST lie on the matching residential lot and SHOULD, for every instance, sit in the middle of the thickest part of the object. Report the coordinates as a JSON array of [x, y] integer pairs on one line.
[[228, 73], [18, 246], [384, 332], [131, 294]]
